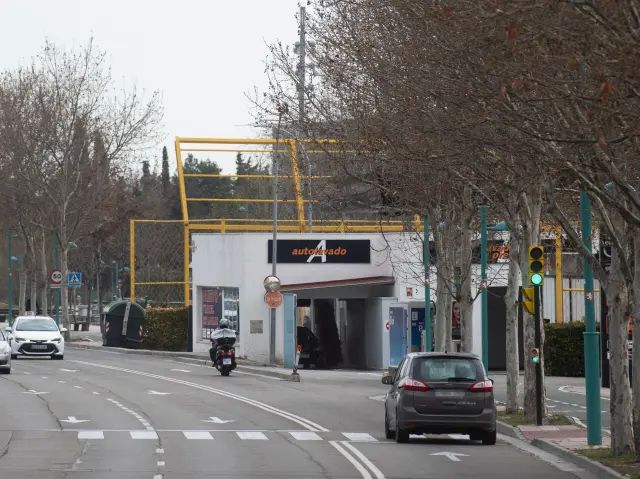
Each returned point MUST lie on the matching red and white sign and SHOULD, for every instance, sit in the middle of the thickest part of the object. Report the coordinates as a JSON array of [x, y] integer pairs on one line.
[[273, 298], [55, 278]]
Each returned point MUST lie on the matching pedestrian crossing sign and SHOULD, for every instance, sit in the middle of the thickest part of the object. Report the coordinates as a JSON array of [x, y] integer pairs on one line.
[[74, 279]]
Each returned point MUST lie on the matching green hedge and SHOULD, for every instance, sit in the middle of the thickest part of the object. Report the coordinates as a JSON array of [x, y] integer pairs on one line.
[[165, 329], [564, 349]]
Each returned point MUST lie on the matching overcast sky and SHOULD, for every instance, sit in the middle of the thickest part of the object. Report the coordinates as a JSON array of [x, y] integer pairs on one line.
[[203, 56]]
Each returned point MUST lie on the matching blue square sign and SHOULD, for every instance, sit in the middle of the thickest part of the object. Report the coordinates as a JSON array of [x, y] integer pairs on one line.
[[74, 279]]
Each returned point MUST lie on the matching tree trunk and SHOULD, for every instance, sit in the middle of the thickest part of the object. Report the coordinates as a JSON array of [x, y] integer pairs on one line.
[[64, 290], [45, 274], [464, 294], [511, 306], [636, 341], [620, 392], [33, 292], [22, 296], [440, 335]]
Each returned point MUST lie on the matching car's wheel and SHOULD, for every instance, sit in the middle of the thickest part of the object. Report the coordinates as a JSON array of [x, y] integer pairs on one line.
[[475, 436], [388, 433], [401, 435], [489, 438]]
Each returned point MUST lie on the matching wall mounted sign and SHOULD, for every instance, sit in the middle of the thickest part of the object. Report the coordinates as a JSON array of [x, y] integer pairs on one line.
[[322, 251]]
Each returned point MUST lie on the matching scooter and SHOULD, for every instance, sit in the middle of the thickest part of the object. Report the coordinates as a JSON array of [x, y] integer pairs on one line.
[[222, 352]]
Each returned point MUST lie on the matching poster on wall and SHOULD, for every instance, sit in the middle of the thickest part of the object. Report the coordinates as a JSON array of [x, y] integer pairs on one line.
[[218, 303]]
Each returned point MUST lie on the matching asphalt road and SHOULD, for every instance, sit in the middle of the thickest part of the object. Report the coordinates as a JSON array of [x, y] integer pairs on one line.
[[103, 415], [564, 396]]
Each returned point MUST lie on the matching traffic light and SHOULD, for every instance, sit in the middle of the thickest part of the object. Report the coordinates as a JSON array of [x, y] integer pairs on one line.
[[535, 355], [528, 296], [536, 265]]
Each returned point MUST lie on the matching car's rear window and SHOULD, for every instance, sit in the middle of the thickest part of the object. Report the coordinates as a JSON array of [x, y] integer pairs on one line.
[[447, 369]]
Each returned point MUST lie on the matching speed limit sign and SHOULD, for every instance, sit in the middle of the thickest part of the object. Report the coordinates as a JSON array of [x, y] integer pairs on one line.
[[55, 277]]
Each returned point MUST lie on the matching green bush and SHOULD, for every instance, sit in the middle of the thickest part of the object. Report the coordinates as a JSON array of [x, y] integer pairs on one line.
[[564, 349], [165, 329]]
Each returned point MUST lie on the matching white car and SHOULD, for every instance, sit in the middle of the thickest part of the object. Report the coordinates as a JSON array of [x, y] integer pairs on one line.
[[5, 354], [36, 336]]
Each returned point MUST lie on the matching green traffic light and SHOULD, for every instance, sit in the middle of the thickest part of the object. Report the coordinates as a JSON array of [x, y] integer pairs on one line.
[[536, 359], [536, 279]]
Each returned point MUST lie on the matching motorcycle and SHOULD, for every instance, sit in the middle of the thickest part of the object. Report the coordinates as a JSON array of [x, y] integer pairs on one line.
[[222, 352]]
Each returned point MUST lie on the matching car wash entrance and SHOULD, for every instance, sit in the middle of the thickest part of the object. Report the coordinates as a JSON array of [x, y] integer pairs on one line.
[[337, 324]]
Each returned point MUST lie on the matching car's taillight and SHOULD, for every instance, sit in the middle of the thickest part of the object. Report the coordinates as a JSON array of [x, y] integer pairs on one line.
[[413, 385], [485, 386]]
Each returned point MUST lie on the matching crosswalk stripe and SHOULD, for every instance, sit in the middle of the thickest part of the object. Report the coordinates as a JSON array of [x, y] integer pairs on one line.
[[251, 436], [143, 435], [359, 436], [202, 435], [305, 436], [90, 435]]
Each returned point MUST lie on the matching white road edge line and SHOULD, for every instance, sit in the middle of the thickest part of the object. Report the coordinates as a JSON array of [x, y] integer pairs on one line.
[[376, 472], [363, 472], [306, 423]]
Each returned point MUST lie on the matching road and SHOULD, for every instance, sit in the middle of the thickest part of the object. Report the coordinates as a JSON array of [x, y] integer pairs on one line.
[[98, 415], [564, 396]]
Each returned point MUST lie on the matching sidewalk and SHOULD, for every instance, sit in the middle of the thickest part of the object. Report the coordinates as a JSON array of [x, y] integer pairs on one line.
[[567, 437]]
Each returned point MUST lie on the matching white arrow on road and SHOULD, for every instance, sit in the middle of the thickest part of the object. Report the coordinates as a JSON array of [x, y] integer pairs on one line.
[[33, 391], [157, 393], [73, 420], [454, 456], [217, 420]]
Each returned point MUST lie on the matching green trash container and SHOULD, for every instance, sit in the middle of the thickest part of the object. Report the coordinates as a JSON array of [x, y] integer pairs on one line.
[[123, 324]]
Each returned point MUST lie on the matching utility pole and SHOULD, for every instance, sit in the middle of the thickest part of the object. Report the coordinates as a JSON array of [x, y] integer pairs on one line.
[[9, 278], [538, 345], [591, 339], [301, 70]]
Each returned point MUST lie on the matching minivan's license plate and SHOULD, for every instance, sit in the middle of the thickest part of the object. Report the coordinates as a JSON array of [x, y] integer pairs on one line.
[[449, 394]]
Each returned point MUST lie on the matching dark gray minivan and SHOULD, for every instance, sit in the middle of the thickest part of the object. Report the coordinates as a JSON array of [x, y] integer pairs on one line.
[[440, 393]]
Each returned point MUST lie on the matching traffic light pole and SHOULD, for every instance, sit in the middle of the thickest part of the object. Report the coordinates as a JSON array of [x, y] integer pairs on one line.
[[483, 287], [591, 339], [538, 341]]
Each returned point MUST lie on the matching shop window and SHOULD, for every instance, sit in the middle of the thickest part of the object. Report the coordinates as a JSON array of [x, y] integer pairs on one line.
[[218, 303]]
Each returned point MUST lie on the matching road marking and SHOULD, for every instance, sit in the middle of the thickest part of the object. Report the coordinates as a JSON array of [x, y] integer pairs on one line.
[[33, 391], [90, 434], [143, 435], [78, 387], [27, 372], [62, 382], [181, 370], [73, 420], [157, 393], [69, 370], [380, 398], [453, 456], [376, 472], [198, 435], [571, 390], [159, 451], [141, 419], [96, 393], [359, 467], [359, 436], [306, 423], [156, 476], [252, 436], [217, 420], [45, 377], [160, 463], [305, 436]]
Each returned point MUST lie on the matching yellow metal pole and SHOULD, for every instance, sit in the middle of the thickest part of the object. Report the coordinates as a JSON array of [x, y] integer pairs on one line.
[[293, 147], [559, 288], [183, 193], [132, 260], [187, 250]]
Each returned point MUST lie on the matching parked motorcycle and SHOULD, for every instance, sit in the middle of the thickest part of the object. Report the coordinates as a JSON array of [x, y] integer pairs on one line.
[[222, 352]]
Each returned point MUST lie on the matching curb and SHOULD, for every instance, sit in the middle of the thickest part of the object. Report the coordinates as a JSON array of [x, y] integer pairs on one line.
[[243, 365], [509, 430], [595, 468]]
